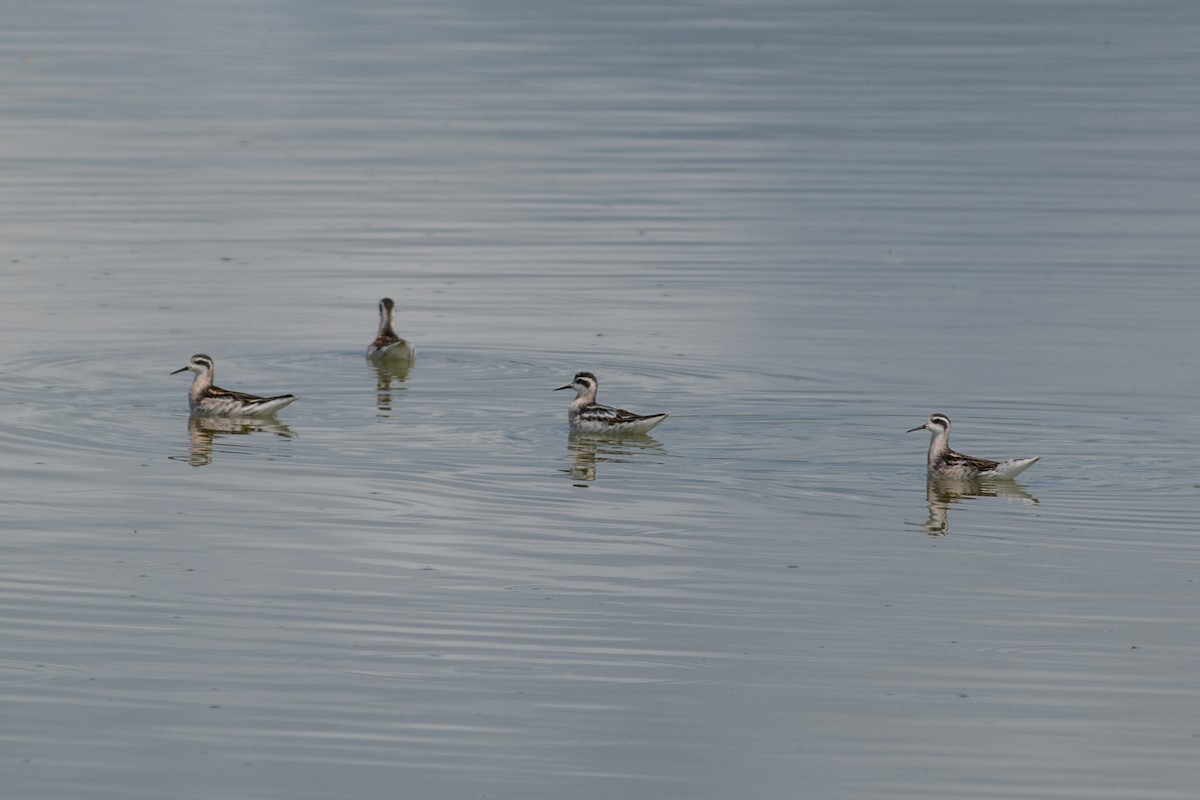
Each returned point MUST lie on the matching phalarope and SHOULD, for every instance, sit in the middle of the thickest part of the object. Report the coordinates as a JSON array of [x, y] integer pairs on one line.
[[388, 346], [588, 416], [204, 398], [945, 463]]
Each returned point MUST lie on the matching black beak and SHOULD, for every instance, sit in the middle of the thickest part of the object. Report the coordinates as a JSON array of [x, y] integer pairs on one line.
[[181, 369], [918, 428], [568, 386]]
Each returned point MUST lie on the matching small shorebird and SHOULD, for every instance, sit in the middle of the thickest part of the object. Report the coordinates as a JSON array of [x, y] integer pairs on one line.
[[945, 463], [204, 398], [388, 346], [588, 416]]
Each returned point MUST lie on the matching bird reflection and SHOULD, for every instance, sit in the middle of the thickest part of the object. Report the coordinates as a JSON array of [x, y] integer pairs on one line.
[[387, 374], [941, 493], [205, 431], [588, 451]]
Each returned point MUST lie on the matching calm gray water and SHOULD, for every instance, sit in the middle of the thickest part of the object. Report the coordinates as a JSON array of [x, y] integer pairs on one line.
[[799, 228]]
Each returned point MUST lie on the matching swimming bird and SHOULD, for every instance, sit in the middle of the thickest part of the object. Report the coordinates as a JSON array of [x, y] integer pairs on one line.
[[945, 463], [388, 346], [587, 416], [205, 398]]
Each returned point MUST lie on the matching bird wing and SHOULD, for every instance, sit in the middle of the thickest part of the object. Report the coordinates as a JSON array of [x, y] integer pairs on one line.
[[242, 397], [613, 416], [981, 464], [383, 340]]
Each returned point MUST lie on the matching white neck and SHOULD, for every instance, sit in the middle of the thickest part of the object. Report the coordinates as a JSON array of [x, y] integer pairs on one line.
[[584, 399], [387, 322], [939, 445], [201, 383]]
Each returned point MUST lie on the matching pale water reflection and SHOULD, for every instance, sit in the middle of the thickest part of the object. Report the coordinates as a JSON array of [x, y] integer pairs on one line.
[[588, 452], [389, 380], [942, 493], [206, 432]]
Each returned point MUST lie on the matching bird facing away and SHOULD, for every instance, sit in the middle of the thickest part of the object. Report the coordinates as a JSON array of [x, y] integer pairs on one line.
[[205, 398], [388, 346], [587, 416], [945, 463]]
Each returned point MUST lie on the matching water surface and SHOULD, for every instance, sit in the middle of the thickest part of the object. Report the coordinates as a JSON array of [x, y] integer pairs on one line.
[[797, 228]]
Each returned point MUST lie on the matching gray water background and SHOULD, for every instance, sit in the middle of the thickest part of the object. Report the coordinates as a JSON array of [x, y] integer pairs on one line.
[[797, 227]]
